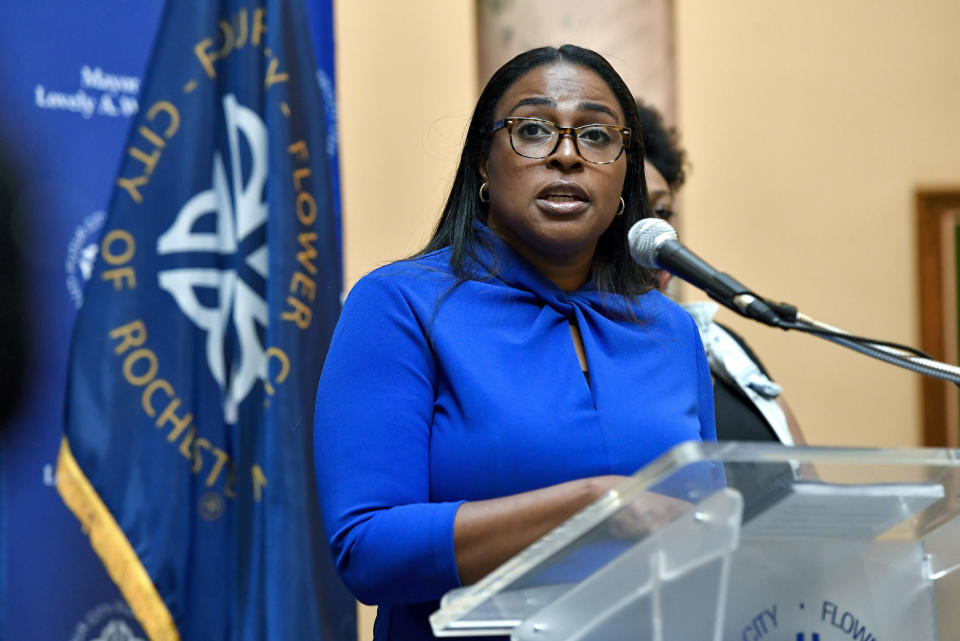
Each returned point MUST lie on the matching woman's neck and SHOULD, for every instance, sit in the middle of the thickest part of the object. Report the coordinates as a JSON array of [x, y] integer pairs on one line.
[[567, 277], [568, 270]]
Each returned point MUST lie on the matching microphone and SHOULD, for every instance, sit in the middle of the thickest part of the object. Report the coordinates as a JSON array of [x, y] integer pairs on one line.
[[653, 243]]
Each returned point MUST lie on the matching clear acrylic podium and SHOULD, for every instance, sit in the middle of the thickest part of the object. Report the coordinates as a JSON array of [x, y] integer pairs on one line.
[[741, 542]]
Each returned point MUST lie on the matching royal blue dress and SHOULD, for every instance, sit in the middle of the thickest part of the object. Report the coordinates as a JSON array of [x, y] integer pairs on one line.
[[436, 392]]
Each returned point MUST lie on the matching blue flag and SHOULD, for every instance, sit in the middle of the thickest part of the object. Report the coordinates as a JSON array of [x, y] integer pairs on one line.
[[206, 321]]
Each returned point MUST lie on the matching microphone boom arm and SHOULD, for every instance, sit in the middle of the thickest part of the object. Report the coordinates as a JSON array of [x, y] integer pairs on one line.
[[884, 353], [653, 243]]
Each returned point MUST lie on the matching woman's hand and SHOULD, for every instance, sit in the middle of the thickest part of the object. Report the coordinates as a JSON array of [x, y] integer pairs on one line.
[[646, 512]]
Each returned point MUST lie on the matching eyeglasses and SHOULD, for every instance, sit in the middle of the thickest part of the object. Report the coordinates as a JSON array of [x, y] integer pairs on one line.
[[537, 138]]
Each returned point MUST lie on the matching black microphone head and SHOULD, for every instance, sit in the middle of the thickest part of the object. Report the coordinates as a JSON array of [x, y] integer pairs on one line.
[[645, 239]]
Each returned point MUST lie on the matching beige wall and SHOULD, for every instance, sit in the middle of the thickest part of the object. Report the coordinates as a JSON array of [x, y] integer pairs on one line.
[[406, 86], [809, 124]]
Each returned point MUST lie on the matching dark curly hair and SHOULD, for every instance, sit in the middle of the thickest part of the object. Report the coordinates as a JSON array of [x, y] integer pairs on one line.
[[613, 270], [661, 146]]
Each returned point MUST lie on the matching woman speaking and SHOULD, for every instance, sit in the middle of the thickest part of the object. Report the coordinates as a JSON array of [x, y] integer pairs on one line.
[[481, 392]]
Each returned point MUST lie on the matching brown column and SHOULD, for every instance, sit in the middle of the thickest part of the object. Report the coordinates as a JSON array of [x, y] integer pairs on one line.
[[636, 36]]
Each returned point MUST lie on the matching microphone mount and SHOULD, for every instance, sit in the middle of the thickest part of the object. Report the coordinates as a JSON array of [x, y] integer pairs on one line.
[[653, 243]]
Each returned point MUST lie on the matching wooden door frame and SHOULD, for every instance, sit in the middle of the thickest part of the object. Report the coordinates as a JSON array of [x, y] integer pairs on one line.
[[932, 204]]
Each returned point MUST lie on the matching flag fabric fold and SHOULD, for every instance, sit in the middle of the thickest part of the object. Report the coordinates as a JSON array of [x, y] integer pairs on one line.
[[195, 357]]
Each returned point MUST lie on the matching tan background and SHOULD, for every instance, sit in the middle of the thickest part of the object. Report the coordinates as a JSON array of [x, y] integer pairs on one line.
[[406, 87], [809, 124]]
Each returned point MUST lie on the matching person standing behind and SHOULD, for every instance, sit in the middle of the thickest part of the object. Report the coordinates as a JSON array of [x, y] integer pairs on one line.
[[749, 404]]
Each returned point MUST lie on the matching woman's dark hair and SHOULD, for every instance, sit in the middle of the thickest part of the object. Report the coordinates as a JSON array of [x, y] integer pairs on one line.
[[661, 146], [613, 269]]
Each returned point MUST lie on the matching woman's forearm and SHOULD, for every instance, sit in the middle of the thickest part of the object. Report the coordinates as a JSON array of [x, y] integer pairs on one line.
[[487, 533]]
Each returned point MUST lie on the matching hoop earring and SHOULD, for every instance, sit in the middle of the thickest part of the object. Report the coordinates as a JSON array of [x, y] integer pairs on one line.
[[482, 187], [622, 206]]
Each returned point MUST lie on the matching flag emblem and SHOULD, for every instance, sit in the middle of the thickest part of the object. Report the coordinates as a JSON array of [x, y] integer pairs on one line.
[[238, 211]]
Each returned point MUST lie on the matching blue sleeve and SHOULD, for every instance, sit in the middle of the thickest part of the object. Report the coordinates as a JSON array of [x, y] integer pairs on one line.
[[708, 421], [695, 481], [371, 452]]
